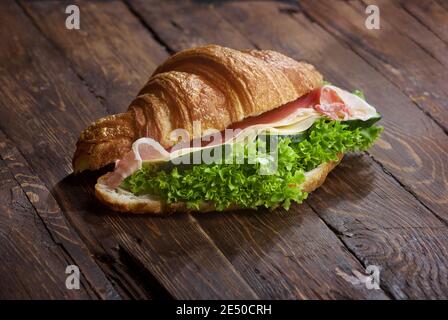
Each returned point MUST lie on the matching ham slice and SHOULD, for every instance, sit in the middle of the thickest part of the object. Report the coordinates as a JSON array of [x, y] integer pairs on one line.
[[332, 105], [280, 115], [143, 149], [300, 114]]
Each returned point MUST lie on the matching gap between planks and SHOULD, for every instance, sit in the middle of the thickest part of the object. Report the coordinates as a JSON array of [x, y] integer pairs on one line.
[[55, 236], [423, 23], [99, 97], [338, 234], [349, 46]]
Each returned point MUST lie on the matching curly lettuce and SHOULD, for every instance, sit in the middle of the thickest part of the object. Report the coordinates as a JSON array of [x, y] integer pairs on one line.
[[243, 184]]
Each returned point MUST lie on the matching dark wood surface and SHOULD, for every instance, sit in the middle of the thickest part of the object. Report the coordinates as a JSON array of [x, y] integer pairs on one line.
[[387, 207]]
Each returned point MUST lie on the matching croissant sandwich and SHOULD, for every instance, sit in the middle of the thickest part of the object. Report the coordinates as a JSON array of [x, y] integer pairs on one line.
[[218, 129]]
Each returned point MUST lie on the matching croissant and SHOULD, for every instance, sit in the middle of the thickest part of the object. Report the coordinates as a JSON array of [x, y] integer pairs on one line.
[[223, 88], [215, 85]]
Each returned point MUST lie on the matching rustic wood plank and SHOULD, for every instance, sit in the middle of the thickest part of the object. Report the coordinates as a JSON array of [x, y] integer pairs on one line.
[[443, 4], [403, 22], [117, 79], [341, 66], [152, 251], [386, 227], [35, 94], [181, 25], [409, 219], [32, 264], [433, 14], [287, 255], [397, 57], [75, 196], [55, 223], [172, 250]]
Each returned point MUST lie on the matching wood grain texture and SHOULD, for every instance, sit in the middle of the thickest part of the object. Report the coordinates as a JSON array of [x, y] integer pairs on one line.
[[396, 56], [154, 253], [180, 25], [287, 255], [159, 246], [172, 249], [52, 115], [403, 22], [32, 264], [116, 79], [304, 40], [431, 13], [60, 230], [386, 227]]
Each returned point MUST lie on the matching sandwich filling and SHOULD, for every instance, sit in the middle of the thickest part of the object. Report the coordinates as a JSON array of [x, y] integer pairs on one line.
[[261, 161]]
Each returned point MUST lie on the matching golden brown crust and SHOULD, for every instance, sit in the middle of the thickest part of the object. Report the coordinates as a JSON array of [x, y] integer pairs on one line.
[[215, 85], [317, 176], [127, 202], [104, 141]]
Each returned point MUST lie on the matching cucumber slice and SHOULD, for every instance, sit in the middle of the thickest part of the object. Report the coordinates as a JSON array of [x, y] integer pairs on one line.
[[296, 137], [357, 123]]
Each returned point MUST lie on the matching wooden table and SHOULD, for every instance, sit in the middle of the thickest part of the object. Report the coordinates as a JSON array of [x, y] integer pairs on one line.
[[387, 207]]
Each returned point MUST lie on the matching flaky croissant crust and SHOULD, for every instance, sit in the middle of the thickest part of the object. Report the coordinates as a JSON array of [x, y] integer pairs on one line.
[[215, 85]]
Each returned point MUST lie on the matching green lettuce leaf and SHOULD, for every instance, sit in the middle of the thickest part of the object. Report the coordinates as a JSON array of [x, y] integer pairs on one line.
[[360, 94], [243, 184]]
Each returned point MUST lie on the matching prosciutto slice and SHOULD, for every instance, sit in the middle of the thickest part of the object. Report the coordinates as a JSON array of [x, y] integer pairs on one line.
[[332, 105], [146, 149], [329, 101]]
